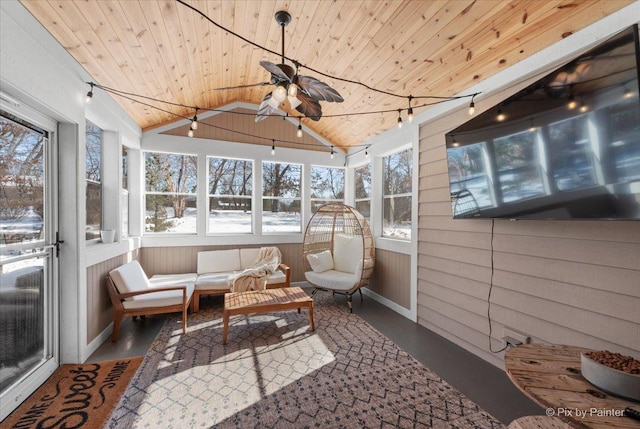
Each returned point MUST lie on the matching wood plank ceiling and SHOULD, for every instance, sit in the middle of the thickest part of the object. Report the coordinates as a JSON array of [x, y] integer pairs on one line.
[[164, 50]]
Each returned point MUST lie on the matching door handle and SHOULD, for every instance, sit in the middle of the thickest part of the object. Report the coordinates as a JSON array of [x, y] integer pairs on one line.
[[57, 244]]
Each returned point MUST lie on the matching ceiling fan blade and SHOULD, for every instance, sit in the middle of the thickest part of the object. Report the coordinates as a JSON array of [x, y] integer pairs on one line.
[[266, 108], [319, 90], [309, 107], [275, 71]]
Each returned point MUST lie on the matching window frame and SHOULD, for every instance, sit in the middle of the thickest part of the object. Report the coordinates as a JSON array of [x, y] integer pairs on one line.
[[356, 200], [326, 200]]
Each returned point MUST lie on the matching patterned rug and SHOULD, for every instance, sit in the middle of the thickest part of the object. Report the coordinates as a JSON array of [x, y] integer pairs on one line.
[[275, 373]]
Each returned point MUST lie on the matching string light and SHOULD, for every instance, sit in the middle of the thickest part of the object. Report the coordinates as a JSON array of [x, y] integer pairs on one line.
[[532, 128], [273, 147], [410, 111], [583, 106], [399, 118], [299, 132], [190, 132], [194, 121], [366, 152], [472, 106], [572, 102], [331, 152], [454, 143], [89, 94], [627, 93], [501, 116]]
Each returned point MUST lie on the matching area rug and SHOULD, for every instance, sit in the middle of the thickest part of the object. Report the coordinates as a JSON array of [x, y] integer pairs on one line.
[[75, 396], [275, 373]]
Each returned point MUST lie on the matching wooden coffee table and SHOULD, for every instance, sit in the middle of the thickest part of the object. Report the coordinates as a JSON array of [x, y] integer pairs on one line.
[[265, 301]]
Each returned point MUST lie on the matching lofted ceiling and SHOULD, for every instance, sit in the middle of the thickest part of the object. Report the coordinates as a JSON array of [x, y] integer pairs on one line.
[[164, 50]]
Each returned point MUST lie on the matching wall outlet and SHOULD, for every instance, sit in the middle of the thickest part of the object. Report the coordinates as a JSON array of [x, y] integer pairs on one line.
[[514, 338]]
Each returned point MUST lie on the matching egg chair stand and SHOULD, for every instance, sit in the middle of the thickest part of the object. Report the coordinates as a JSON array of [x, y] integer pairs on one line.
[[338, 251]]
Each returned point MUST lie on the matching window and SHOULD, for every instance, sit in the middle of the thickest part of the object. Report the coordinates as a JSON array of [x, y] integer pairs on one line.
[[93, 161], [230, 190], [170, 197], [281, 197], [396, 199], [327, 185], [124, 194], [363, 190]]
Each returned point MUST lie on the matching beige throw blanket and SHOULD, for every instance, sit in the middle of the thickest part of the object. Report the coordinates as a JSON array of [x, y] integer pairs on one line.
[[255, 276]]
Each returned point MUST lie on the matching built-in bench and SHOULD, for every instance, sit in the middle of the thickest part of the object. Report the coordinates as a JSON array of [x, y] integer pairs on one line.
[[216, 266]]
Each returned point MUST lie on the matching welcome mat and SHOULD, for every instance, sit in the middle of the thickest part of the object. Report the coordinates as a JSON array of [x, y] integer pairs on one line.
[[276, 373], [76, 396]]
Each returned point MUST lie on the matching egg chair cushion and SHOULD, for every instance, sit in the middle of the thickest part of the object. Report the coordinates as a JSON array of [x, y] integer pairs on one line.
[[332, 280], [347, 253], [320, 262]]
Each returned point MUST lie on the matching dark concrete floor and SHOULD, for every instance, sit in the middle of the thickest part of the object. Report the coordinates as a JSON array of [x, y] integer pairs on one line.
[[480, 381]]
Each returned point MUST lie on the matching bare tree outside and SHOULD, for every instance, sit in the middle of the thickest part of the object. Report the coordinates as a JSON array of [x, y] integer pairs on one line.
[[21, 181], [397, 184], [327, 185], [230, 195], [281, 194], [171, 185]]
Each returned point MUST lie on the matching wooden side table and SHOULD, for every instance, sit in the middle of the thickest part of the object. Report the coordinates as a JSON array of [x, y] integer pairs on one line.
[[550, 375], [265, 301]]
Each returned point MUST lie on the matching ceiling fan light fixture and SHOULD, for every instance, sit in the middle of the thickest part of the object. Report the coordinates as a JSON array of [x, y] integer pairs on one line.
[[280, 93], [273, 103], [294, 101]]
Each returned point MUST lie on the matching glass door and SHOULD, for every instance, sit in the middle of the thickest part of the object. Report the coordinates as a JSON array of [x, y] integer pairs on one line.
[[28, 260]]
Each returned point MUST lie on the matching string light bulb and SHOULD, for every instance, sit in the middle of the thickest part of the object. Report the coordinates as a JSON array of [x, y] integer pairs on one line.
[[472, 106], [331, 152], [627, 93], [366, 152], [194, 121], [532, 127], [410, 111], [89, 94], [572, 102], [190, 132], [501, 116], [299, 132], [273, 147], [399, 118], [583, 107], [454, 143]]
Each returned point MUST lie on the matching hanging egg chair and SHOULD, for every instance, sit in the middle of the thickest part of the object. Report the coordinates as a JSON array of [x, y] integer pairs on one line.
[[338, 251]]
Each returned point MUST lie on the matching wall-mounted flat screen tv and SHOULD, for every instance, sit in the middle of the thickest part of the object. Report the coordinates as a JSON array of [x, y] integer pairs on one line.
[[565, 147]]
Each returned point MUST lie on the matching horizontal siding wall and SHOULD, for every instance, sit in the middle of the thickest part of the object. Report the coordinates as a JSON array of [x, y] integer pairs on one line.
[[184, 259], [568, 282], [99, 308], [392, 277]]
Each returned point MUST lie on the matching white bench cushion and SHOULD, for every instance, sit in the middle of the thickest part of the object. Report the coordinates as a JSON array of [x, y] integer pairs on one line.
[[160, 299], [219, 261], [332, 279], [130, 277], [213, 281], [248, 257]]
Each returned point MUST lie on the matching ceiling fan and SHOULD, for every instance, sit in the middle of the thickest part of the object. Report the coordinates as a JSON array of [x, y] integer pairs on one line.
[[303, 92]]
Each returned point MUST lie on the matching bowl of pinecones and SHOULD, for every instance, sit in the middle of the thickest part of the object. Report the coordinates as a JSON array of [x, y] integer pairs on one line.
[[612, 372]]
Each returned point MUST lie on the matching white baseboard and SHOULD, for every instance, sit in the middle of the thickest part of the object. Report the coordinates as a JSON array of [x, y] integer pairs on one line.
[[98, 341], [388, 303]]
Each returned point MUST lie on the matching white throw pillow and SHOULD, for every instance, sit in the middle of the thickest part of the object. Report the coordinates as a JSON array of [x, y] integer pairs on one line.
[[321, 262], [347, 253]]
